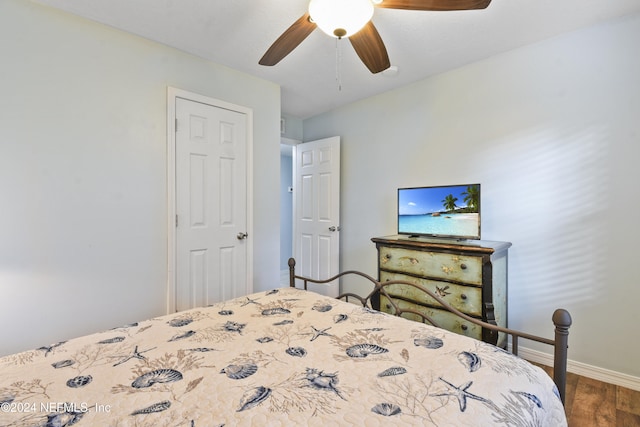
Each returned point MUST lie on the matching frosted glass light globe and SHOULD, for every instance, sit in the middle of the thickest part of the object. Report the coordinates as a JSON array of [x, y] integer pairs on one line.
[[341, 18]]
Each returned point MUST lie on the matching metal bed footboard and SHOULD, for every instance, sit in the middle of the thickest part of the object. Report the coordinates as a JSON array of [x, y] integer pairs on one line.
[[561, 318]]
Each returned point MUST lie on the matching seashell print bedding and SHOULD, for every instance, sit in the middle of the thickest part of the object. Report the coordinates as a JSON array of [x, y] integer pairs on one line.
[[279, 358]]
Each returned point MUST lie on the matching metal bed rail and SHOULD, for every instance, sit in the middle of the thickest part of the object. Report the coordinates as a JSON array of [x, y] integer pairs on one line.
[[561, 318]]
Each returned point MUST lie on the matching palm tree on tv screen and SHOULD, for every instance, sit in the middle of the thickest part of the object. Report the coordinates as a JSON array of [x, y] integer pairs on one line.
[[449, 202], [471, 197]]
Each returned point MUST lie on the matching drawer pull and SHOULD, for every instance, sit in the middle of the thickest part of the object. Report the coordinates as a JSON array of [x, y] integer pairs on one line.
[[463, 266], [464, 327], [463, 296]]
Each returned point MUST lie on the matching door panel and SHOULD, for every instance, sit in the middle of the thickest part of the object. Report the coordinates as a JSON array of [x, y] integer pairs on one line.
[[198, 278], [197, 168]]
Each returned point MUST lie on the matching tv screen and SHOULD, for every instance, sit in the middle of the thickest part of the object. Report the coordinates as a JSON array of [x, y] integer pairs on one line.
[[448, 211]]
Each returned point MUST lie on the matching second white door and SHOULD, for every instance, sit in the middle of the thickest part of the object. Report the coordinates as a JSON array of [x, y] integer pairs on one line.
[[316, 171]]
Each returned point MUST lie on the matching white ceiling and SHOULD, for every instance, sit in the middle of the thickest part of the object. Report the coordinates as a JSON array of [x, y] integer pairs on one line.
[[236, 33]]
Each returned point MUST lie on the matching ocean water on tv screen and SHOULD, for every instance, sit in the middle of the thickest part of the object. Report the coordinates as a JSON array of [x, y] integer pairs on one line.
[[450, 224]]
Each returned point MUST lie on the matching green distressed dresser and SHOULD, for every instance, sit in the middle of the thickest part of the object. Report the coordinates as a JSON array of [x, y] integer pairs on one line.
[[470, 275]]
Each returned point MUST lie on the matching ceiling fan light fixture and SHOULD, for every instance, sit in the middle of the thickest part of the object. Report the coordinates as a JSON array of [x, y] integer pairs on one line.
[[341, 18]]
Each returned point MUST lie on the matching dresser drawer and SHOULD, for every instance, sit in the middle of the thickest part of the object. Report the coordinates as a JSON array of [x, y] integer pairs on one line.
[[467, 299], [443, 318], [462, 268]]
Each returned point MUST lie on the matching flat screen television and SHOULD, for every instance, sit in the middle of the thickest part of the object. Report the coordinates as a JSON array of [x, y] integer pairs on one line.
[[446, 211]]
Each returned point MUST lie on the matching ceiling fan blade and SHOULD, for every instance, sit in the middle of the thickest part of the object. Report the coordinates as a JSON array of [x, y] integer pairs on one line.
[[370, 48], [289, 40], [434, 4]]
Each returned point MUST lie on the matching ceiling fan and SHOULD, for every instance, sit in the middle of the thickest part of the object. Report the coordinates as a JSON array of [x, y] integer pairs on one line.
[[352, 19]]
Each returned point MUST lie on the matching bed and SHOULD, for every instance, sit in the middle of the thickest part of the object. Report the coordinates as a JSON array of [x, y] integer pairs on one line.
[[287, 356]]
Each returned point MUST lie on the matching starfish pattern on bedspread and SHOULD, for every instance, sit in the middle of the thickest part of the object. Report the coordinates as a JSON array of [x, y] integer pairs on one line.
[[460, 393], [319, 332], [135, 355]]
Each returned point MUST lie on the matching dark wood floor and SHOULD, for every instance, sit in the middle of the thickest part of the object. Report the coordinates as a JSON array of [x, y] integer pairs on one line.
[[592, 403]]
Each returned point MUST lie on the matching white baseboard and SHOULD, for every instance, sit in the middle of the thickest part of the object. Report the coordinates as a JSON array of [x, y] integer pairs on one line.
[[579, 368]]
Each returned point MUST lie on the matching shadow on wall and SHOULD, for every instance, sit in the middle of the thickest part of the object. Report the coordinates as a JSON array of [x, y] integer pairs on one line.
[[553, 195]]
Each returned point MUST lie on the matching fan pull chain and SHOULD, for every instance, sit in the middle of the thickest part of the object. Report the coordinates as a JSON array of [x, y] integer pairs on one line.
[[338, 63]]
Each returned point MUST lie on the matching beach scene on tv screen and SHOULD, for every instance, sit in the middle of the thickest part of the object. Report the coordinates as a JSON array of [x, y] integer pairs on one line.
[[445, 211]]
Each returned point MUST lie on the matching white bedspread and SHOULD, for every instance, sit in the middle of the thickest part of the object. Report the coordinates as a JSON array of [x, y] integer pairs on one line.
[[281, 358]]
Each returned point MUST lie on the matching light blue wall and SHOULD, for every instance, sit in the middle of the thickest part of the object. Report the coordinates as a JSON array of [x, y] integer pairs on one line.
[[551, 131], [83, 172], [292, 127]]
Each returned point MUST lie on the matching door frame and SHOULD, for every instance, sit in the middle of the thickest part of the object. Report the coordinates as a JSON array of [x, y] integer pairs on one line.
[[286, 230], [172, 94]]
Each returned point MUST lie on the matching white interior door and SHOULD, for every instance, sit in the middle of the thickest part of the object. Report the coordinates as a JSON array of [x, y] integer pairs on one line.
[[316, 194], [211, 204]]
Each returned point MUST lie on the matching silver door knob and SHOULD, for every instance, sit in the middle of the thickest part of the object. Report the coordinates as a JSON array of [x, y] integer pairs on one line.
[[242, 236], [334, 228]]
